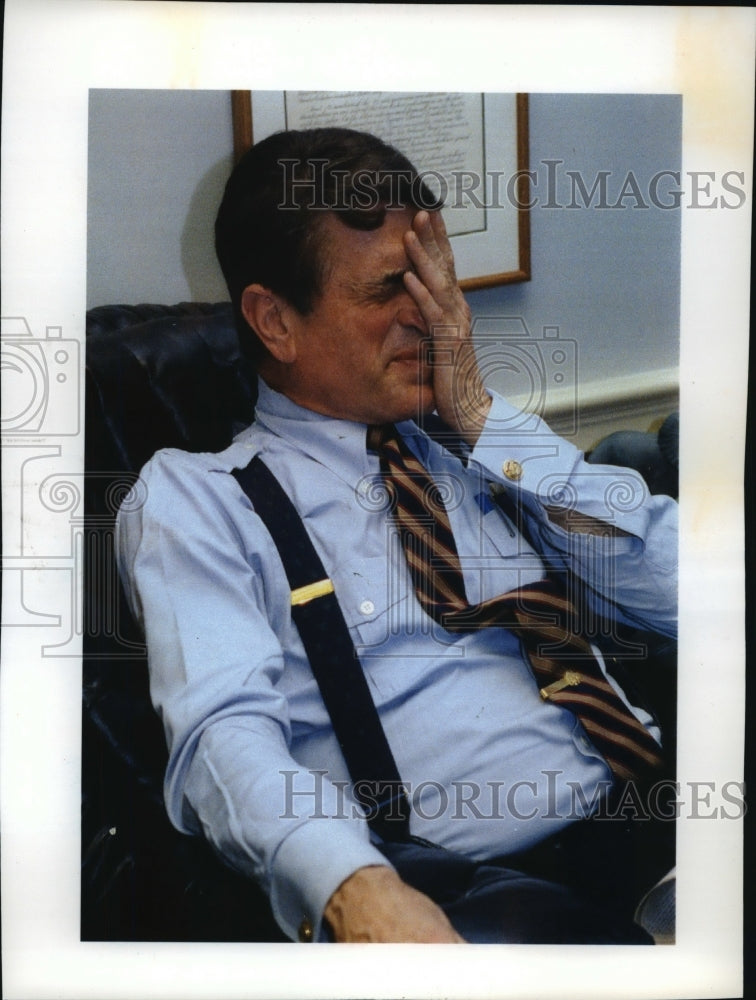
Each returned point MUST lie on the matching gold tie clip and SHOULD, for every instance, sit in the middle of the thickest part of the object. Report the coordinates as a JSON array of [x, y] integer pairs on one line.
[[302, 595], [571, 678]]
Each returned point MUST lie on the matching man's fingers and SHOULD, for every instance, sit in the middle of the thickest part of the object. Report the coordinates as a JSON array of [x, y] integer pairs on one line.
[[429, 250], [430, 309], [459, 392], [431, 272], [439, 231], [426, 238], [431, 232], [420, 251]]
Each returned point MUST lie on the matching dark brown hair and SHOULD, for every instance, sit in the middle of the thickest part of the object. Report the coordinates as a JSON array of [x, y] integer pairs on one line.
[[267, 229]]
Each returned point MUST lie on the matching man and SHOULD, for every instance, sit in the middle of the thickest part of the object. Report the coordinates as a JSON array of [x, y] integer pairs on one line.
[[343, 283]]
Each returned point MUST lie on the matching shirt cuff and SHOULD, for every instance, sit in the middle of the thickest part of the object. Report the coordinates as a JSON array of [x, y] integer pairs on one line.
[[310, 865], [518, 447], [520, 451]]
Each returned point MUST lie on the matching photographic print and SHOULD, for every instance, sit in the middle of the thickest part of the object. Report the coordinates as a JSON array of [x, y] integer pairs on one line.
[[583, 199]]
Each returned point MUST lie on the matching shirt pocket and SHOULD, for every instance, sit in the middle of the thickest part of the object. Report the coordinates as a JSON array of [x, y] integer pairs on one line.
[[377, 608], [507, 560], [371, 598]]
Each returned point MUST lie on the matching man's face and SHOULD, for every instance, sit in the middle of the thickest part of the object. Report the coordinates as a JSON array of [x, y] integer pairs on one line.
[[358, 352]]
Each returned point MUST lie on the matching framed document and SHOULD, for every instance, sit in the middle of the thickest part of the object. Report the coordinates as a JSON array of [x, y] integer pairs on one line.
[[470, 148]]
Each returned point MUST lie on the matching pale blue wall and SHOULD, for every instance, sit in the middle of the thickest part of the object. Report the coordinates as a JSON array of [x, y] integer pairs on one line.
[[607, 278], [158, 161]]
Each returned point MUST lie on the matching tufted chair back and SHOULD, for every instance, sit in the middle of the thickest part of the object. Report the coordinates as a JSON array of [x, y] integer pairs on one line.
[[156, 376]]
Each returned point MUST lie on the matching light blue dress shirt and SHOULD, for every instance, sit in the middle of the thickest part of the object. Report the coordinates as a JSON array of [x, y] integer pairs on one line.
[[491, 768]]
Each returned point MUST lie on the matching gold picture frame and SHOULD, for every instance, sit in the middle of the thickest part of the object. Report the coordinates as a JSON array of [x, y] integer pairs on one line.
[[498, 251]]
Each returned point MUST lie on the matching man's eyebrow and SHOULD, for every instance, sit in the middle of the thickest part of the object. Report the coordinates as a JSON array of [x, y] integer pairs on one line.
[[388, 281], [398, 273], [395, 277]]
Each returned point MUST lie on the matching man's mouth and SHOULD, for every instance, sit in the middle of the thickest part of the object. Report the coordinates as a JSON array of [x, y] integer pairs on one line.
[[414, 354]]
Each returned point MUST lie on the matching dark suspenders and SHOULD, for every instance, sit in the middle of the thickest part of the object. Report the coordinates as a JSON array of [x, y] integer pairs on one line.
[[342, 683], [330, 650]]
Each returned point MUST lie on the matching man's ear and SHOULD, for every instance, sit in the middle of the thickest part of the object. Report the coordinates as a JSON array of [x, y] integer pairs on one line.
[[267, 313]]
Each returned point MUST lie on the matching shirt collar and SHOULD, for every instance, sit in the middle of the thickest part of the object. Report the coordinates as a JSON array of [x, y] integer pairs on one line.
[[338, 444]]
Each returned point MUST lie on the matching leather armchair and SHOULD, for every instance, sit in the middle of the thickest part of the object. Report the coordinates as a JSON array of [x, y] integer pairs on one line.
[[655, 455], [156, 376]]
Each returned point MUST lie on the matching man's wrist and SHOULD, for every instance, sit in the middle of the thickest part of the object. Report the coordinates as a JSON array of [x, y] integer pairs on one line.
[[353, 892], [310, 863], [468, 415], [474, 420], [375, 904]]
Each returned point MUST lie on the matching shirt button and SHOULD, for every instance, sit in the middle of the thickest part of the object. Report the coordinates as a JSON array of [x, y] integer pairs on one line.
[[305, 931], [367, 608], [512, 469]]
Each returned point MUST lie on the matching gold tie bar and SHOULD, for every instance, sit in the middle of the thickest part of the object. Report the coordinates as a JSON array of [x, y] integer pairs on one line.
[[302, 595], [570, 679]]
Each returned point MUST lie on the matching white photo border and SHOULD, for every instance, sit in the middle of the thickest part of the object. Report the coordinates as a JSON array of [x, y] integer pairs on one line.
[[54, 53]]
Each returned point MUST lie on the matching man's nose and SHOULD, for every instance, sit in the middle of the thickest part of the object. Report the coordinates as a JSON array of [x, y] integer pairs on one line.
[[410, 315]]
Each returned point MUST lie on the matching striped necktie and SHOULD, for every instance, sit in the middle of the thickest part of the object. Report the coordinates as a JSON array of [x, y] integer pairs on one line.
[[563, 662]]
